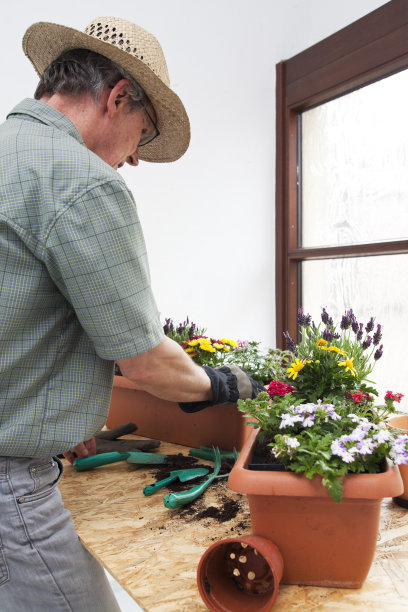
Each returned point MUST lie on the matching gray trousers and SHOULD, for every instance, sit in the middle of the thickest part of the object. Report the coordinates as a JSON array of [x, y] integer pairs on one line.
[[43, 565]]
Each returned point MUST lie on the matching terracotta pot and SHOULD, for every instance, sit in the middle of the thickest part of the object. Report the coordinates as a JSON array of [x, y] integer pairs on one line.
[[323, 543], [401, 422], [222, 426], [240, 574]]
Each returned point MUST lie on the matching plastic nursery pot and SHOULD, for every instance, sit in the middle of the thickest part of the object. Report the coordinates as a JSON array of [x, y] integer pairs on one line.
[[401, 422], [240, 575]]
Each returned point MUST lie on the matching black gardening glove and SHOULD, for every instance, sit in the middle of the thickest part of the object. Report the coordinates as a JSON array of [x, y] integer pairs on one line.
[[106, 440], [228, 384]]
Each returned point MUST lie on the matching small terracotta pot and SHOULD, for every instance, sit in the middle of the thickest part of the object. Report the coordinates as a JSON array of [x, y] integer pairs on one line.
[[401, 422], [323, 543], [240, 575], [222, 426]]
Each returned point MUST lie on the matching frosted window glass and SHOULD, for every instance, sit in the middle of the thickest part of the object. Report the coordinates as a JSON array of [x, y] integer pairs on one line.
[[355, 166], [371, 286]]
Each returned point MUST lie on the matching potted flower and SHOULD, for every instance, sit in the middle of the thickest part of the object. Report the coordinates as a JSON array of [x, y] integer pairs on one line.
[[326, 441], [221, 426]]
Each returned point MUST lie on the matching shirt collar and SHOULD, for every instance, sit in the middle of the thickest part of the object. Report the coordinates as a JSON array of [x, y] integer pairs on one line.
[[41, 111]]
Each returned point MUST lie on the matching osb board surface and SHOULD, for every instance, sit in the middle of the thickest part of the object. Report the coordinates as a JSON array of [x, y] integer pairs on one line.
[[154, 552]]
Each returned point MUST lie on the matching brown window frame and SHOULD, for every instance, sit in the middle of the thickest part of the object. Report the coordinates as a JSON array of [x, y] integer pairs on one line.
[[369, 49]]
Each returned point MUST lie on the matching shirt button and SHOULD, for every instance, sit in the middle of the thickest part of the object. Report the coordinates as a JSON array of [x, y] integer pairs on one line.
[[21, 500]]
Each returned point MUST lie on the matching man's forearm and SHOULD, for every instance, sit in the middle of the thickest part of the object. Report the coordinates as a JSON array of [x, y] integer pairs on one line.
[[169, 373]]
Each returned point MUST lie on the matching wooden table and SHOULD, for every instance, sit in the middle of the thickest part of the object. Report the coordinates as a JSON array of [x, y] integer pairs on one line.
[[153, 552]]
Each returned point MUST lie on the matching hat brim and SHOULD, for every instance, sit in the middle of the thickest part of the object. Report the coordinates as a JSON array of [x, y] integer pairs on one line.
[[43, 42]]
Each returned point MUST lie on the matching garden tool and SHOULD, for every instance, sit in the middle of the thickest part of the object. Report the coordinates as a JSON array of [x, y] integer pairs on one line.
[[107, 440], [182, 475], [175, 500], [205, 452], [87, 463]]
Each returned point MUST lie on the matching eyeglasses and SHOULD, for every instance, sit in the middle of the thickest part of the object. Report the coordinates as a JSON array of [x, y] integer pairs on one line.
[[150, 136]]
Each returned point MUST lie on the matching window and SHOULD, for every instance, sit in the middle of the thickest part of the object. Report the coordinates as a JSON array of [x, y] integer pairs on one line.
[[342, 181]]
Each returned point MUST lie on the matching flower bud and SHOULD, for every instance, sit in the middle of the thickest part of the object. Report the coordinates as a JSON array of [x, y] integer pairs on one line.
[[377, 335], [378, 353], [370, 325]]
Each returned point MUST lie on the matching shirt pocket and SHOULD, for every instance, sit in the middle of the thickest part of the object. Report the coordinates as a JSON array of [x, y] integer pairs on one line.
[[45, 477]]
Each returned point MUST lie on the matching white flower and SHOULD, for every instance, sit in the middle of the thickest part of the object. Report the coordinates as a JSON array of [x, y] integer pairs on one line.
[[308, 421], [288, 420], [366, 446], [382, 436], [291, 442]]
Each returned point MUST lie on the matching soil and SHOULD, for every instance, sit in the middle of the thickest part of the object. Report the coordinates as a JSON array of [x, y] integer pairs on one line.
[[196, 511]]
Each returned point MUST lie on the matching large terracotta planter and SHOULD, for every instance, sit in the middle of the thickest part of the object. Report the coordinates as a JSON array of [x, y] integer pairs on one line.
[[323, 543], [222, 426], [401, 422]]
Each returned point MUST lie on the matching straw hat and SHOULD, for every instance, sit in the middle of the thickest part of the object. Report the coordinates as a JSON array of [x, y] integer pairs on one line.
[[135, 50]]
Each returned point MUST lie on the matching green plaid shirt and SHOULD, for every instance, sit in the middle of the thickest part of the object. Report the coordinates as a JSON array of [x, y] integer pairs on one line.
[[74, 283]]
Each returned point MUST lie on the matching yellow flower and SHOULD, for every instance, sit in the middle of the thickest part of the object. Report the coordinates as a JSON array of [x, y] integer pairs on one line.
[[296, 367], [225, 348], [189, 350], [322, 342], [230, 342], [193, 342], [348, 364], [218, 345], [335, 349]]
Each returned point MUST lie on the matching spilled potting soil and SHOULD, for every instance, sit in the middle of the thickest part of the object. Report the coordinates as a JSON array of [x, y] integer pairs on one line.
[[227, 508]]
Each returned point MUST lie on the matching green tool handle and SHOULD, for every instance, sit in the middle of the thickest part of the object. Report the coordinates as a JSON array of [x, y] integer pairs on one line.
[[205, 452], [87, 463], [175, 500], [150, 489]]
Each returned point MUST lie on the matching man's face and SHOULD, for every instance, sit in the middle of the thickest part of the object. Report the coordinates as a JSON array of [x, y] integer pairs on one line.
[[128, 130]]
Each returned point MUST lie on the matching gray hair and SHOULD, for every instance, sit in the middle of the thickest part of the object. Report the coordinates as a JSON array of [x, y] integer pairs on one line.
[[80, 71]]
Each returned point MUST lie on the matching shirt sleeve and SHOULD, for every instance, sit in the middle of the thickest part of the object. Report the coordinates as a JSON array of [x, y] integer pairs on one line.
[[96, 255]]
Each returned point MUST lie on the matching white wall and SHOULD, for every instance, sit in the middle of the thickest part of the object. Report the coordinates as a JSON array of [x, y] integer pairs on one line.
[[209, 217]]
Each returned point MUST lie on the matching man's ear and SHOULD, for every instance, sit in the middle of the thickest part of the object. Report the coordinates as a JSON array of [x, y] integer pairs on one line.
[[117, 98]]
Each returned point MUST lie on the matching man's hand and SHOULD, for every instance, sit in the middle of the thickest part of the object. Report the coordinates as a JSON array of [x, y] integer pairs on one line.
[[85, 449], [229, 384]]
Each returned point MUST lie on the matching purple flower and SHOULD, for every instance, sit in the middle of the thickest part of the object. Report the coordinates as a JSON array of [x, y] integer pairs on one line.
[[378, 353], [370, 325], [354, 325], [360, 332], [338, 448], [367, 342], [328, 334], [303, 319], [345, 321], [168, 326], [377, 335], [290, 343], [327, 320]]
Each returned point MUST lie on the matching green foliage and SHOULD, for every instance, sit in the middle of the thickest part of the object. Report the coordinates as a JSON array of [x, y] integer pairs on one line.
[[323, 439], [261, 364]]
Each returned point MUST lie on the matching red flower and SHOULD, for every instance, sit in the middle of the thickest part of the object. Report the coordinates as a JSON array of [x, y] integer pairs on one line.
[[357, 397], [396, 397], [279, 388]]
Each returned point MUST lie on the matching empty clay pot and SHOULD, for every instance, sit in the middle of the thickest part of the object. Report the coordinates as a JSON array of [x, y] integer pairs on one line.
[[240, 575]]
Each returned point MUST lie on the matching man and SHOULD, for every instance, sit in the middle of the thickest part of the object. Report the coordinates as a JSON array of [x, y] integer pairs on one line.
[[75, 290]]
